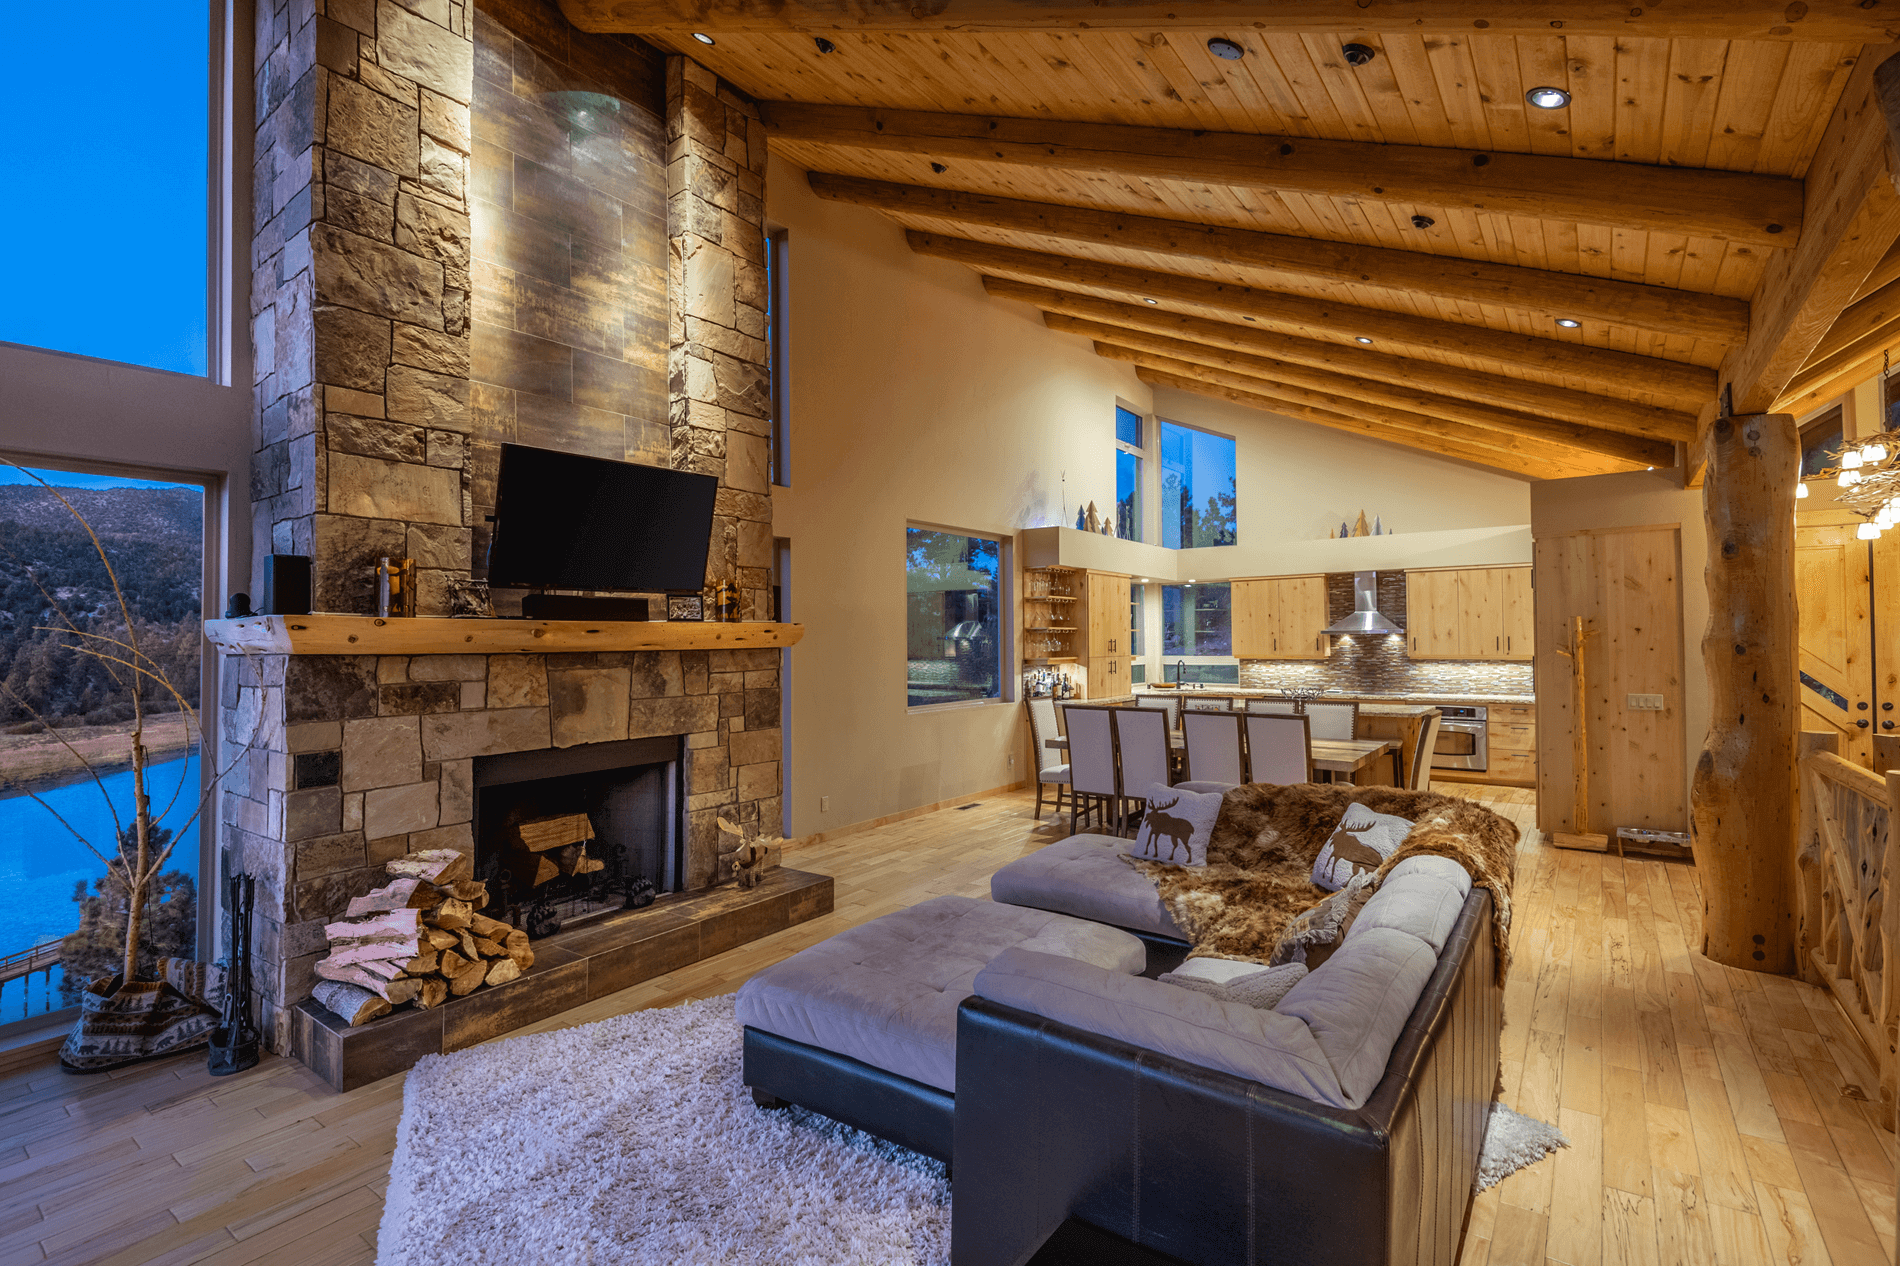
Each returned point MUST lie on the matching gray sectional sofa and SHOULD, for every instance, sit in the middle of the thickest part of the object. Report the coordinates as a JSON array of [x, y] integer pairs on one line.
[[1021, 1040]]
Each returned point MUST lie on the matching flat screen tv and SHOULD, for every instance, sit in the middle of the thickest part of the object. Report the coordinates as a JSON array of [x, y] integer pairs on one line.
[[564, 521]]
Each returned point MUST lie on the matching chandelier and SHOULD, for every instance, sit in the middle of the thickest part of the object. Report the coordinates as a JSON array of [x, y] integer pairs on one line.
[[1869, 482]]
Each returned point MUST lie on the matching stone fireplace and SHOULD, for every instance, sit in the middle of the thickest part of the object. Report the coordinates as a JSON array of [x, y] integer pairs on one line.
[[475, 224]]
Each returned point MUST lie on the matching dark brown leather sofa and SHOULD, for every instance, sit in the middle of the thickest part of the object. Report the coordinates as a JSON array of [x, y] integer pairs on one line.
[[1054, 1123]]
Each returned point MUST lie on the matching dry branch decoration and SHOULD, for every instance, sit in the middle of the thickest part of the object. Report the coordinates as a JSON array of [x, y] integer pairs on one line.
[[1879, 483], [139, 854], [748, 857]]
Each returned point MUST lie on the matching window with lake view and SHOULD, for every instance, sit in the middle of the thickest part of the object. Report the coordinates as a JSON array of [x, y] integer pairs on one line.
[[63, 915], [1128, 453]]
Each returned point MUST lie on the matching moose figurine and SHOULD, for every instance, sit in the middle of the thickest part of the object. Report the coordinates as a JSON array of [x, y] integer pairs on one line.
[[1177, 830]]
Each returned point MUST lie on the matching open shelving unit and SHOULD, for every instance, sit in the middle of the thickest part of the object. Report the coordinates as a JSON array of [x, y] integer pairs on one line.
[[1050, 630]]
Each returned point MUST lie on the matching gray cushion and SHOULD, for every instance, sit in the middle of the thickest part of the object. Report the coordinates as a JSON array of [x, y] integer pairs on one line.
[[1358, 1002], [1263, 987], [1055, 773], [1420, 895], [1264, 1046], [886, 992], [1085, 876]]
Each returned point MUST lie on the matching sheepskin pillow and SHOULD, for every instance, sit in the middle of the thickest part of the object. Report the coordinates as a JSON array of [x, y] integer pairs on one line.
[[1313, 936], [1176, 825], [1261, 988], [1361, 842]]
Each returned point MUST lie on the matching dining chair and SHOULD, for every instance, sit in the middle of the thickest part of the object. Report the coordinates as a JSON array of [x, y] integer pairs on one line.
[[1279, 748], [1093, 785], [1171, 704], [1274, 707], [1142, 755], [1050, 769], [1334, 721], [1421, 779], [1213, 746]]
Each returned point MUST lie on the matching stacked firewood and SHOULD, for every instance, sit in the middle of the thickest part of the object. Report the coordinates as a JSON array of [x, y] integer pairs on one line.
[[417, 939]]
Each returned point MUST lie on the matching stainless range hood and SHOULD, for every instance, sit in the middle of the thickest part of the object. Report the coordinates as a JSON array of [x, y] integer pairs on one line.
[[1365, 617]]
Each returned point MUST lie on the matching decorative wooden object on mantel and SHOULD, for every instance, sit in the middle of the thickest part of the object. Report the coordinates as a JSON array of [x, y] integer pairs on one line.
[[1742, 799], [430, 635]]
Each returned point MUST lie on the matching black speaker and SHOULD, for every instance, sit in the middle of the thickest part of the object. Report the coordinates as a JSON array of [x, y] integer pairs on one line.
[[286, 584]]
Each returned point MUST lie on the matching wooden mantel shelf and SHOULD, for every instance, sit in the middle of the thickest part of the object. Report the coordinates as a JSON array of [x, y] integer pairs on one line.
[[429, 635]]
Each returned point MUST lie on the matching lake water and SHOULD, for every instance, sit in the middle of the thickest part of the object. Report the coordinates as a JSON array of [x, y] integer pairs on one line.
[[41, 863]]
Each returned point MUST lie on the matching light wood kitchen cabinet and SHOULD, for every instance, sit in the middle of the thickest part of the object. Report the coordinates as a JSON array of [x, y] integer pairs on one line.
[[1108, 677], [1108, 618], [1511, 737], [1280, 618], [1469, 613]]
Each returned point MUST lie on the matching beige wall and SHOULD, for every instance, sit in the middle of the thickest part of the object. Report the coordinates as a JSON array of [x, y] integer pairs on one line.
[[1643, 499], [914, 397]]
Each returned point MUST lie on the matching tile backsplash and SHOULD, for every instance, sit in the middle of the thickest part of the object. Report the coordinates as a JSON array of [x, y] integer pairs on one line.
[[1379, 665]]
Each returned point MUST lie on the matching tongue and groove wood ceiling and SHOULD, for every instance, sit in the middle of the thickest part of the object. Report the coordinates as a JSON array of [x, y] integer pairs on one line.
[[1117, 179]]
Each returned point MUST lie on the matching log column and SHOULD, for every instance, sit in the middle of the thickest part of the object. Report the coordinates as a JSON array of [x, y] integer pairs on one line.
[[1743, 799]]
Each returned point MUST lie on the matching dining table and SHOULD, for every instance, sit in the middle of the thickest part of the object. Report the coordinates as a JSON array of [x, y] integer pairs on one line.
[[1332, 756]]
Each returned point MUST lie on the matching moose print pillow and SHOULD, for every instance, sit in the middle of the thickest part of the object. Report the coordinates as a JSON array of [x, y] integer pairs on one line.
[[1362, 841], [1177, 825]]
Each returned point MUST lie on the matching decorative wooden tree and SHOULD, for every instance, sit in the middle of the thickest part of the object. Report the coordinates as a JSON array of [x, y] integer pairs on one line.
[[1743, 798]]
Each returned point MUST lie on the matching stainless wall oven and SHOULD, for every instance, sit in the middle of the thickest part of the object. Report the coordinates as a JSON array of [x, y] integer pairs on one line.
[[1461, 739]]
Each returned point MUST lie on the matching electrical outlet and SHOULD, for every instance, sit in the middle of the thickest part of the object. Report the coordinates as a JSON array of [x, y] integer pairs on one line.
[[1012, 760], [824, 804], [1645, 703]]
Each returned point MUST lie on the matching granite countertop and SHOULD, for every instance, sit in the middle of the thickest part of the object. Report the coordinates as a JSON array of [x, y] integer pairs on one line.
[[1373, 699]]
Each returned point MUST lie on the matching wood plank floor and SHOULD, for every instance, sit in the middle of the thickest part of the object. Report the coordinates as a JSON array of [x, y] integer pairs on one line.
[[1713, 1113]]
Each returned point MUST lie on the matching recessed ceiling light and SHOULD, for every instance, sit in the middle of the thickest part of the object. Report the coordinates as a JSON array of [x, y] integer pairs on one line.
[[1358, 54], [702, 37], [824, 45], [1156, 302], [1225, 49], [1423, 221], [1569, 323], [1360, 338], [1548, 98]]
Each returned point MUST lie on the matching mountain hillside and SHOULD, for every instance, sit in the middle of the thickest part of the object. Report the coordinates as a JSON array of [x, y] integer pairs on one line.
[[154, 537]]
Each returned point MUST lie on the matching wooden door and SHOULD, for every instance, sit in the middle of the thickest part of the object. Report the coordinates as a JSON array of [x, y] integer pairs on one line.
[[1252, 619], [1481, 613], [1299, 615], [1620, 765], [1833, 584], [1431, 615], [1520, 624]]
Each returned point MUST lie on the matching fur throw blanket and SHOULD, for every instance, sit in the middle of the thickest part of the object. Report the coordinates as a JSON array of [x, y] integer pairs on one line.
[[1259, 872]]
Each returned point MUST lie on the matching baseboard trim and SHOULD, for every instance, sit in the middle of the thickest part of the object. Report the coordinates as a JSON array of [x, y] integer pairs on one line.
[[871, 824], [33, 1046]]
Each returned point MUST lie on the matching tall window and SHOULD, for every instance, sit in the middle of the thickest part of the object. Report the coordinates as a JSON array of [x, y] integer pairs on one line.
[[1137, 670], [1197, 625], [108, 221], [62, 911], [953, 586], [1198, 490], [1128, 452], [1821, 439]]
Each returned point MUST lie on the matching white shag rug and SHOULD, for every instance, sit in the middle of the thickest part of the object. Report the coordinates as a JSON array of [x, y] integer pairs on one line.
[[1512, 1141], [632, 1140]]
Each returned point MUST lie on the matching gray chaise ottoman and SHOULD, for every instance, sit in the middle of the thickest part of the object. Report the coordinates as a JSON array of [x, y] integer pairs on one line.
[[1085, 876], [863, 1026]]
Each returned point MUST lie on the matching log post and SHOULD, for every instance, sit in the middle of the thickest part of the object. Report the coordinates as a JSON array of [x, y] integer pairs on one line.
[[1743, 798]]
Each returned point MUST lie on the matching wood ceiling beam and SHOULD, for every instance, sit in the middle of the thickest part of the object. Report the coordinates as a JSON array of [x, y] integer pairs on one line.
[[1852, 364], [1190, 380], [1762, 211], [1853, 327], [1591, 413], [1377, 400], [1887, 270], [1852, 220], [1535, 291], [1577, 460], [1397, 332], [1844, 21]]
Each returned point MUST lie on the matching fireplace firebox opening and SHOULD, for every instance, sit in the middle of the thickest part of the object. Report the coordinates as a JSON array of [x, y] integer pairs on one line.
[[566, 835]]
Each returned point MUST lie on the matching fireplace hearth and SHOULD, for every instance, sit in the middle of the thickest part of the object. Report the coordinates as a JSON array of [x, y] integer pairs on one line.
[[566, 835]]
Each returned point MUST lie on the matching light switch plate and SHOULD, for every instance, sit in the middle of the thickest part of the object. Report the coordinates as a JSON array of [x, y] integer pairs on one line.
[[1645, 703]]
